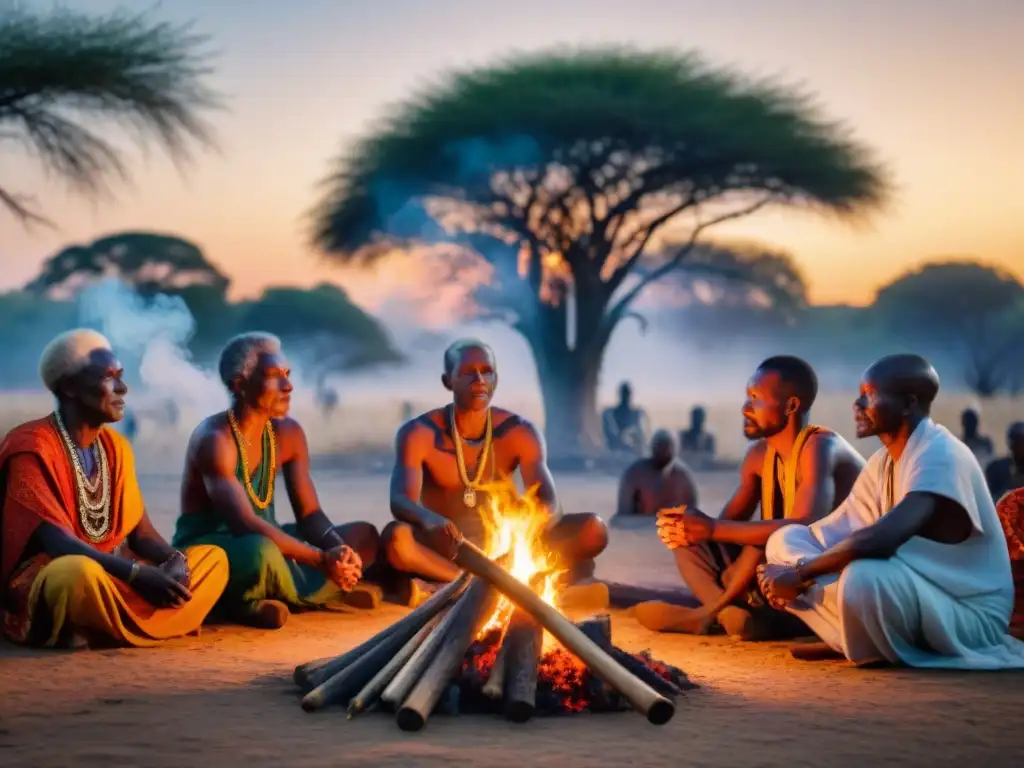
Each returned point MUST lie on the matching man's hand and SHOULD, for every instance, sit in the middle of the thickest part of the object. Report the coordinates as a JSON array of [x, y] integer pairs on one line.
[[176, 566], [343, 566], [442, 536], [159, 588], [678, 527], [780, 584]]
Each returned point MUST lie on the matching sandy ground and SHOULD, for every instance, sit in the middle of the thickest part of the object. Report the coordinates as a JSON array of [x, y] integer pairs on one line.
[[227, 698]]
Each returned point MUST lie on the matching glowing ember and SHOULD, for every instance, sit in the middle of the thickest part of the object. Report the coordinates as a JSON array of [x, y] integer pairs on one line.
[[515, 526]]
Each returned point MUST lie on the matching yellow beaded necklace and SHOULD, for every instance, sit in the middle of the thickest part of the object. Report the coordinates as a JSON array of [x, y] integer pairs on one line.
[[239, 439]]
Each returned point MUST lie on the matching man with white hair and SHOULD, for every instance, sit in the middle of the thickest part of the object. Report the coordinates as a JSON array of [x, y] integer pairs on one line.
[[81, 562], [228, 497]]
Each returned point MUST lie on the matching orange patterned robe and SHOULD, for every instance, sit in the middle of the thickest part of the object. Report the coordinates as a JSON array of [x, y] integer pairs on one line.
[[1011, 514], [54, 601]]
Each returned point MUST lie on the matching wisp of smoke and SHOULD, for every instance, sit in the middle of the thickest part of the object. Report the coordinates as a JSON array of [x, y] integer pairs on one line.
[[155, 332]]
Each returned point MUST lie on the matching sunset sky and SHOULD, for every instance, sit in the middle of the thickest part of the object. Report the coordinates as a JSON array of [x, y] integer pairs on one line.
[[935, 86]]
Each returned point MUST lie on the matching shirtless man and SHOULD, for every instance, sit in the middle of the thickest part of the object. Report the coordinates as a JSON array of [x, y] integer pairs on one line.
[[655, 482], [796, 472], [445, 455], [228, 497]]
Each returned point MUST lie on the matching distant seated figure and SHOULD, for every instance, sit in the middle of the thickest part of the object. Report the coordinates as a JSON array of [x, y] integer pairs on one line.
[[129, 425], [980, 445], [1006, 474], [81, 562], [656, 482], [228, 497], [624, 425], [695, 442]]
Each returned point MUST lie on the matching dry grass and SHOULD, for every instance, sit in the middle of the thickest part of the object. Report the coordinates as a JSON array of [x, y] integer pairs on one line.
[[370, 424]]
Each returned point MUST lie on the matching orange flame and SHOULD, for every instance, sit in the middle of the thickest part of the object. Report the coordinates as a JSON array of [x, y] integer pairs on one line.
[[515, 526]]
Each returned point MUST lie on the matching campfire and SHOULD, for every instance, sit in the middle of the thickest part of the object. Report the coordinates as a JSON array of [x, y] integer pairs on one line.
[[493, 641]]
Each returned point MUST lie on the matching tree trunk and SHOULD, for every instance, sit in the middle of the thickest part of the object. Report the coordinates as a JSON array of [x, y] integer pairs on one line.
[[568, 384]]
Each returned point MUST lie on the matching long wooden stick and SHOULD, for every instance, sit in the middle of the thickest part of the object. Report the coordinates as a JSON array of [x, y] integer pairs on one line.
[[372, 690], [524, 638], [658, 709], [468, 613], [308, 676], [404, 680]]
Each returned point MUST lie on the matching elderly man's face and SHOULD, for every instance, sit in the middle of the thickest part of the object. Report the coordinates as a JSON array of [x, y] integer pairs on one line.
[[99, 389]]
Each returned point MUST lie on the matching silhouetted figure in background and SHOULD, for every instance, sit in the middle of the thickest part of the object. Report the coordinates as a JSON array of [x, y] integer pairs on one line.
[[655, 482], [980, 445], [695, 443], [623, 424], [129, 425], [1007, 474], [407, 413], [327, 399]]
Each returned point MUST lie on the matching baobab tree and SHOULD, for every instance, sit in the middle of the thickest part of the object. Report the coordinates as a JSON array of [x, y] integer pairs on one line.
[[564, 172]]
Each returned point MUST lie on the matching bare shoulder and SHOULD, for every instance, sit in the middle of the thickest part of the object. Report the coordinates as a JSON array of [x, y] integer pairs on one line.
[[831, 445], [291, 439], [211, 439], [514, 427], [421, 429], [753, 459]]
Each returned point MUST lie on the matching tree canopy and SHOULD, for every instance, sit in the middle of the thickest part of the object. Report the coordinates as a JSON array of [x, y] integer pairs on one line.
[[963, 306], [564, 170], [64, 74]]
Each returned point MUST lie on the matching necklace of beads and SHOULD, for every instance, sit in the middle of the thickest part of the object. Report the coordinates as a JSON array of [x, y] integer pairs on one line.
[[239, 439], [93, 513], [471, 486]]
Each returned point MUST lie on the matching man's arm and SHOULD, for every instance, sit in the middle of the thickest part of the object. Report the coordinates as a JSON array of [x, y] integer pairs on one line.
[[216, 457], [57, 542], [407, 477], [744, 500], [880, 540], [532, 453], [815, 498], [313, 523], [148, 544]]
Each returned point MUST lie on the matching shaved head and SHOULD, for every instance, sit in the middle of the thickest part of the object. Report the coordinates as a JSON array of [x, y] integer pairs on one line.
[[663, 448], [894, 391], [906, 376]]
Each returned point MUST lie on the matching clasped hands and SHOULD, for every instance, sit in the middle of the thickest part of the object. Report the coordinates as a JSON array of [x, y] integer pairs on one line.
[[781, 584], [343, 566], [680, 527]]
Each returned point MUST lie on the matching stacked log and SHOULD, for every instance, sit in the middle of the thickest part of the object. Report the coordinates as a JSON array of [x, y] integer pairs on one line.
[[414, 667]]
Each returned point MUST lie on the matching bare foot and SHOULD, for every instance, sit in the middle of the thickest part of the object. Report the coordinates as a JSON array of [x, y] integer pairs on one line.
[[262, 614], [814, 652], [584, 597], [665, 617]]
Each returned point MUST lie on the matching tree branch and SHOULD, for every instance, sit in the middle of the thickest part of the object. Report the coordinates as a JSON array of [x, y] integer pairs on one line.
[[620, 308]]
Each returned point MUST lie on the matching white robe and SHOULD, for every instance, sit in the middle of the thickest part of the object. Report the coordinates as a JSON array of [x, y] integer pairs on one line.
[[931, 604]]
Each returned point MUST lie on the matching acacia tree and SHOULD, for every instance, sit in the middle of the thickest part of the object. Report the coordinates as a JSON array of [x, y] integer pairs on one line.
[[564, 170], [963, 309], [64, 73]]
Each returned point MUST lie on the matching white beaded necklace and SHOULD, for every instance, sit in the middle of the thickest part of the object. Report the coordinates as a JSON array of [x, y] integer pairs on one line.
[[93, 515]]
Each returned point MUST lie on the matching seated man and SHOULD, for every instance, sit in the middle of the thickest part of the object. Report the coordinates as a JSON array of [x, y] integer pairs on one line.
[[1006, 474], [653, 483], [446, 456], [227, 497], [624, 426], [81, 561], [797, 472], [912, 568], [695, 443]]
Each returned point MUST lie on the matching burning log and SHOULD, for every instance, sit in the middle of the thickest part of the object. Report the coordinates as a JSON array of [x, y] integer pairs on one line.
[[314, 673], [523, 639], [370, 694], [599, 629], [468, 613], [642, 696]]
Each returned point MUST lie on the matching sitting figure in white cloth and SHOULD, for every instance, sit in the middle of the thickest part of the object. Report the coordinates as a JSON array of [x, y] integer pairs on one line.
[[912, 568]]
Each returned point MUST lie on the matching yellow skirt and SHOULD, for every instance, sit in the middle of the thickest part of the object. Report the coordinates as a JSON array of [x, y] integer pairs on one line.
[[75, 598]]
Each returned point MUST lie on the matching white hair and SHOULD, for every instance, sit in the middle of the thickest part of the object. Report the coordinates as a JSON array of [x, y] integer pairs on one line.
[[68, 354], [458, 347], [242, 353]]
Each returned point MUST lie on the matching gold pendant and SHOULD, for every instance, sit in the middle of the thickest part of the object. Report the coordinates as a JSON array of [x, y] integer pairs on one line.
[[469, 498]]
